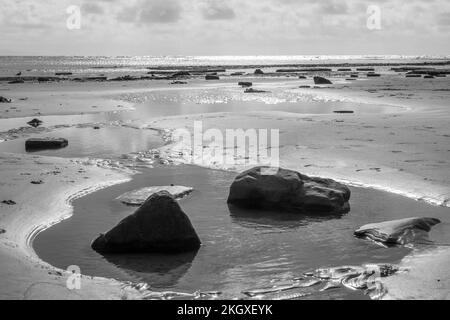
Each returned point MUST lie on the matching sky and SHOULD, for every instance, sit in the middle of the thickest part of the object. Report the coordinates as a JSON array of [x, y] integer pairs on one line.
[[224, 27]]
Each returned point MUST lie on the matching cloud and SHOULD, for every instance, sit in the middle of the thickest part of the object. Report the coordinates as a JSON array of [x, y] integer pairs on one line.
[[160, 11], [218, 10]]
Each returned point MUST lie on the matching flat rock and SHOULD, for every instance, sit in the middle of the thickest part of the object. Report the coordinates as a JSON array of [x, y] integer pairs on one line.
[[45, 143], [138, 197], [321, 80], [398, 231], [273, 188], [245, 84], [158, 226], [212, 77]]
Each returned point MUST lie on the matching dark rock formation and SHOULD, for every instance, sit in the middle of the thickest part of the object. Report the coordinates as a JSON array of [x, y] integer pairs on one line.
[[158, 226], [35, 123], [212, 77], [63, 73], [344, 111], [398, 231], [302, 77], [273, 188], [245, 84], [321, 80], [344, 69], [4, 100], [373, 75], [259, 71], [45, 143], [9, 202]]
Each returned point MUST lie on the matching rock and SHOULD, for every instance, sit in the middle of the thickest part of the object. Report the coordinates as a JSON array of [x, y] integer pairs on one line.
[[37, 182], [2, 231], [305, 87], [4, 100], [245, 84], [8, 202], [18, 81], [273, 188], [251, 90], [181, 74], [63, 73], [158, 226], [178, 82], [428, 77], [35, 123], [212, 77], [344, 69], [373, 75], [344, 111], [398, 231], [237, 74], [45, 143], [321, 80], [302, 77], [413, 76], [259, 71], [138, 197]]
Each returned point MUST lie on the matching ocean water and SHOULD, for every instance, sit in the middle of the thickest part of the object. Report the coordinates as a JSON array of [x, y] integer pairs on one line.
[[41, 65]]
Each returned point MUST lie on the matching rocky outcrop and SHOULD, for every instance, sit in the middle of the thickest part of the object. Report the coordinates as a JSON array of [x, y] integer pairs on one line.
[[45, 143], [273, 188], [212, 77], [4, 100], [34, 123], [138, 197], [398, 231], [158, 226], [245, 84], [259, 71], [321, 80]]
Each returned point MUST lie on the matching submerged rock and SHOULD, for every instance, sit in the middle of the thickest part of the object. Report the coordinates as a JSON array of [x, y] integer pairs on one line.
[[212, 77], [45, 143], [398, 231], [138, 197], [321, 80], [158, 226], [265, 187], [9, 202]]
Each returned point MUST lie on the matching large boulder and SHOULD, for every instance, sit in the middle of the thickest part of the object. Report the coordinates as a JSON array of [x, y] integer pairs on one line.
[[158, 226], [321, 80], [273, 188], [398, 231], [138, 197], [45, 143]]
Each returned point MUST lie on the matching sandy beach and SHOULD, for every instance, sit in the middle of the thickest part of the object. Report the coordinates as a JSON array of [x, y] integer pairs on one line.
[[403, 148]]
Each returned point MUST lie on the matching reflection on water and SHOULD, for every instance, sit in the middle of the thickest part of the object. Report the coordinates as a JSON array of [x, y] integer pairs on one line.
[[270, 219], [161, 271], [240, 251], [89, 142]]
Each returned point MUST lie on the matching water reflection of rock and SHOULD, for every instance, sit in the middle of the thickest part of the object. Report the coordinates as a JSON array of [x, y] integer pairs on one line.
[[158, 270], [255, 218]]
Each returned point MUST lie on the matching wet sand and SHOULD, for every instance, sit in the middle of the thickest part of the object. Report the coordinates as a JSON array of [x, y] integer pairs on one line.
[[403, 148]]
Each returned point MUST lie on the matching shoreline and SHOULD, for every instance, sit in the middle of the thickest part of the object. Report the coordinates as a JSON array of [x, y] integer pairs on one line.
[[23, 274]]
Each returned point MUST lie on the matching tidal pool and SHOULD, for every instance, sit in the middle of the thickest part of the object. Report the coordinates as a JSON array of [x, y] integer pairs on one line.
[[241, 250]]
